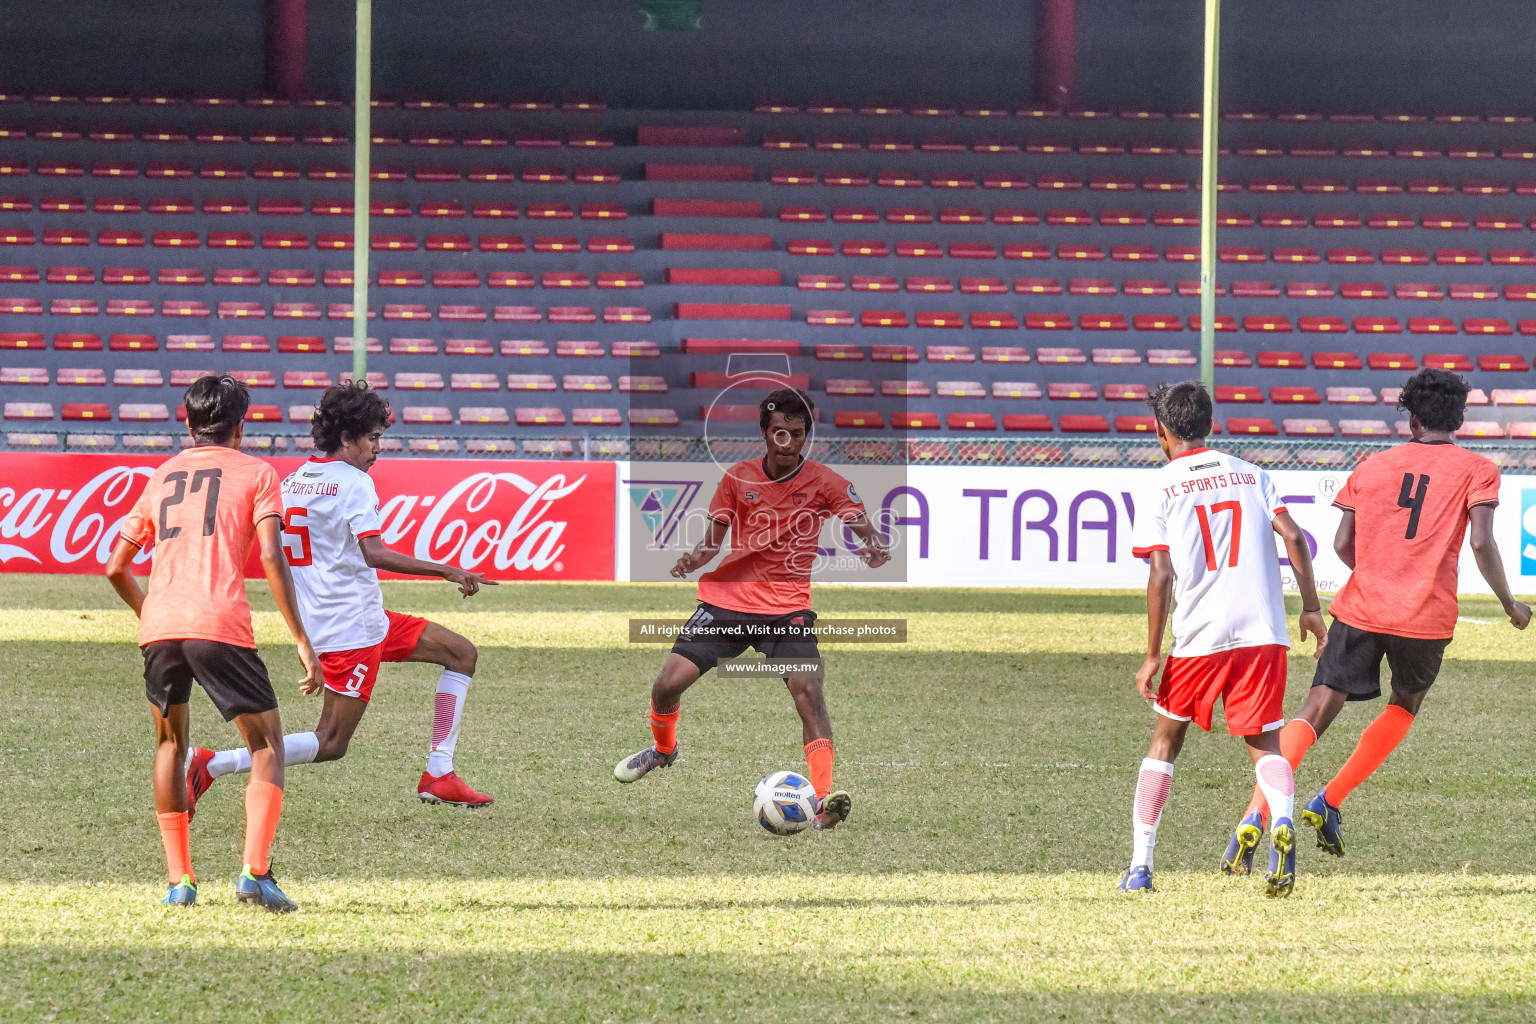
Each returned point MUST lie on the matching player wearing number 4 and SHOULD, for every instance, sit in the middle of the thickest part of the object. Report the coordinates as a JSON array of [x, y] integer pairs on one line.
[[1405, 513], [1207, 528], [760, 596], [332, 537]]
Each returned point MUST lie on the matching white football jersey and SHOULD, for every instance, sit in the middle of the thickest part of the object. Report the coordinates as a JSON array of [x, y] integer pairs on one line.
[[1213, 513], [328, 506]]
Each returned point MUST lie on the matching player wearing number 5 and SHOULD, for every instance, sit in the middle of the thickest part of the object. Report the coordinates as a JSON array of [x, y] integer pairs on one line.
[[333, 538], [1405, 514], [1208, 527], [202, 510]]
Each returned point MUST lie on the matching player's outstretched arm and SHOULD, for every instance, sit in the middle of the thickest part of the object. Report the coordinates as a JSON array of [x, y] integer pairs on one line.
[[1491, 564], [874, 551], [120, 574], [1159, 603], [704, 551], [269, 535], [380, 557], [1301, 564]]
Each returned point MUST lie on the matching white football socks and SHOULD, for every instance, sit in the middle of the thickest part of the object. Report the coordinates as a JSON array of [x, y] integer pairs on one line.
[[447, 711], [1152, 785], [298, 748], [1279, 785]]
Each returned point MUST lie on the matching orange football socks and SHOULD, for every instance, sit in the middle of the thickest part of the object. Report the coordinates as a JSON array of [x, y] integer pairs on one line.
[[263, 806], [664, 729], [1378, 741], [178, 845], [818, 759], [1296, 738]]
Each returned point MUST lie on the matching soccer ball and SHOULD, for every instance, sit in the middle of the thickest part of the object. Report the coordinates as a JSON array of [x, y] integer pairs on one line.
[[785, 803]]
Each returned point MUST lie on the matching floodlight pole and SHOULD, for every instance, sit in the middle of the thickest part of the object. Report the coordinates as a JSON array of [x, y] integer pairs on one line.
[[362, 143], [1210, 117]]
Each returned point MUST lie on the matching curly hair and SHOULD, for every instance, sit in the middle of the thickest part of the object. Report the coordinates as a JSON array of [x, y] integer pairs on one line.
[[348, 411], [216, 406], [1437, 397], [793, 405]]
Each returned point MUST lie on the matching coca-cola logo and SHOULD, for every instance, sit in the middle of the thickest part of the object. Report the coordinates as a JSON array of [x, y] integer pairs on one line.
[[88, 524], [467, 525]]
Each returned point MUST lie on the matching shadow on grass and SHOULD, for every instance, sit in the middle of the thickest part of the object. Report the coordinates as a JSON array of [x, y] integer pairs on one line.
[[283, 983], [957, 762]]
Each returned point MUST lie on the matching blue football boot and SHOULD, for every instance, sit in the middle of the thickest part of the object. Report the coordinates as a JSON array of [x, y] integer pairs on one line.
[[182, 894], [1282, 860], [262, 891], [1238, 860], [1137, 879], [1325, 817]]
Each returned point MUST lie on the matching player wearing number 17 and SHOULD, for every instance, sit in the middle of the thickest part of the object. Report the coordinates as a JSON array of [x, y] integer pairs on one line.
[[1208, 527]]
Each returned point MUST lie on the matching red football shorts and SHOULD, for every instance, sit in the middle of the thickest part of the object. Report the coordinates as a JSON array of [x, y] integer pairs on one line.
[[353, 673], [1249, 680]]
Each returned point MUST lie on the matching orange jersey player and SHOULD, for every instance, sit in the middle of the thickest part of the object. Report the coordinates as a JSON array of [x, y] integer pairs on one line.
[[1405, 514], [202, 510], [760, 595]]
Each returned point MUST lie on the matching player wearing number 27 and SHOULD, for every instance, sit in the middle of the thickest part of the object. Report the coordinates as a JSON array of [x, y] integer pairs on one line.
[[1405, 513], [333, 539], [1208, 527], [202, 510]]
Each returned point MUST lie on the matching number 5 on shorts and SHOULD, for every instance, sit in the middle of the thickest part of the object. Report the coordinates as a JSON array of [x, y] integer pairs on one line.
[[358, 677]]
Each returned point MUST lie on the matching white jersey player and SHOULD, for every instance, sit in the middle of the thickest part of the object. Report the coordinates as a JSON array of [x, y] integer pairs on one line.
[[332, 536], [1206, 522]]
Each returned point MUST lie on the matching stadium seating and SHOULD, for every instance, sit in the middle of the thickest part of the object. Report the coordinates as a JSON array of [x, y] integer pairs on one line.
[[981, 274]]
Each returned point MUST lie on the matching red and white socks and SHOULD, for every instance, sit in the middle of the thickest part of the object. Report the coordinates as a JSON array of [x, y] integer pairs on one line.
[[1152, 785], [447, 711], [298, 748], [1278, 783]]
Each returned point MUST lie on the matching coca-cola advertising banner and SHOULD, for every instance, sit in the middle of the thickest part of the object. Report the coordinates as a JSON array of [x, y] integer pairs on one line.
[[508, 520]]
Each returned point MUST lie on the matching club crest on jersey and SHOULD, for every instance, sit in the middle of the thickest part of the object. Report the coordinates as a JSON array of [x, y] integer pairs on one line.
[[800, 497], [749, 495]]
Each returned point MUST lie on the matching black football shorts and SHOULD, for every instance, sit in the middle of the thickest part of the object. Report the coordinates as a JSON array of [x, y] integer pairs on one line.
[[713, 633], [1351, 663], [233, 677]]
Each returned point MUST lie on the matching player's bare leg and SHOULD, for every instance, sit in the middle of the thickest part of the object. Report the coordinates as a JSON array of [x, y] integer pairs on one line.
[[171, 802], [1153, 783], [339, 719], [677, 674], [439, 645], [833, 806]]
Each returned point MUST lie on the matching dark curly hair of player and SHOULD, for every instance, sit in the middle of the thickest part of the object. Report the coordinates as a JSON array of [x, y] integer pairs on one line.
[[347, 411], [1437, 397], [1184, 409], [788, 401]]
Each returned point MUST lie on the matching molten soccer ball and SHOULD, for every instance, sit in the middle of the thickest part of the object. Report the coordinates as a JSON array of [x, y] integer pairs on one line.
[[785, 803]]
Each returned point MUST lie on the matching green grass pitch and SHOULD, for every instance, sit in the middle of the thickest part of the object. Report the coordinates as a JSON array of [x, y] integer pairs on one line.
[[991, 759]]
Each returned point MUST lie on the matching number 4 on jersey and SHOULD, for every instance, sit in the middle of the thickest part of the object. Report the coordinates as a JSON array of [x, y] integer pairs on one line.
[[1205, 513], [1410, 499]]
